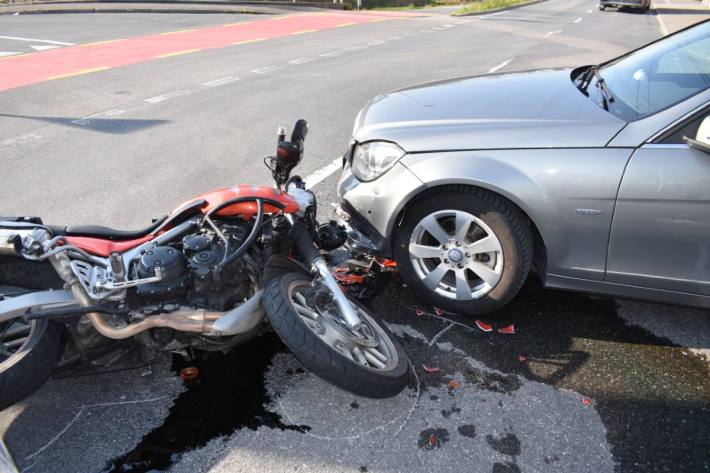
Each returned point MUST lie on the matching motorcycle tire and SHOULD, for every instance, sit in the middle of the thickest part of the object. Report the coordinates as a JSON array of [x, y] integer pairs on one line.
[[25, 370], [369, 363]]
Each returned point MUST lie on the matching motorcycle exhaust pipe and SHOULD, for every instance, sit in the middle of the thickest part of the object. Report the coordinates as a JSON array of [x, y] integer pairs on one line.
[[241, 319]]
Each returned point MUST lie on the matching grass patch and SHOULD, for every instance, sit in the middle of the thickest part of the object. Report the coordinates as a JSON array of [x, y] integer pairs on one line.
[[486, 5]]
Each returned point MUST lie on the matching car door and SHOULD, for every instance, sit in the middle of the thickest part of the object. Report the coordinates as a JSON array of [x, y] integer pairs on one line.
[[660, 235]]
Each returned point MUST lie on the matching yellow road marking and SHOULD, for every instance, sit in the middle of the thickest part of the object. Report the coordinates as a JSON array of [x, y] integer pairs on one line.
[[102, 42], [176, 32], [344, 24], [247, 41], [304, 32], [14, 55], [238, 23], [178, 53], [78, 73]]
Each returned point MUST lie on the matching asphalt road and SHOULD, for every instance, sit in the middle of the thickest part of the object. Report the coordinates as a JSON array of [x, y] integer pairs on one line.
[[586, 384]]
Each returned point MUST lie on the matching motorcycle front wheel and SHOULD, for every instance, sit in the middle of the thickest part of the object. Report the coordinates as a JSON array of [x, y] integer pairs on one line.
[[368, 362]]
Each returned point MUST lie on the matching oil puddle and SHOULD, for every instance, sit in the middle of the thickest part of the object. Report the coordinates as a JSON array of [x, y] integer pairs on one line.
[[228, 395], [652, 396]]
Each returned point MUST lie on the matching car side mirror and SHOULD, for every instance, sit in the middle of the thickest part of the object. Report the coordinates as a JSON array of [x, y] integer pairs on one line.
[[702, 139]]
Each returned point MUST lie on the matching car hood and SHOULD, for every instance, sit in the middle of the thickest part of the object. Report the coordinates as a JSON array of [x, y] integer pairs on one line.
[[537, 109]]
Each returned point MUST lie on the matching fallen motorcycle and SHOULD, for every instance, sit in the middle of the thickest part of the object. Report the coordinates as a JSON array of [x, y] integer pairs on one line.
[[217, 271]]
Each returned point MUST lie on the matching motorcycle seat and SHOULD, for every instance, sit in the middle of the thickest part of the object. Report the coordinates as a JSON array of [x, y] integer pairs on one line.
[[105, 233]]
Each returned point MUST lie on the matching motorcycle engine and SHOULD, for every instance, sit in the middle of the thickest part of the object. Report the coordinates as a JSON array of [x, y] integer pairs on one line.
[[174, 270]]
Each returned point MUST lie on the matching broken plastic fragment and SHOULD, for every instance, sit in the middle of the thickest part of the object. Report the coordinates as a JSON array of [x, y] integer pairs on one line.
[[484, 326], [586, 402], [432, 440], [510, 329], [522, 358], [418, 311], [431, 369], [189, 374], [439, 311], [453, 384]]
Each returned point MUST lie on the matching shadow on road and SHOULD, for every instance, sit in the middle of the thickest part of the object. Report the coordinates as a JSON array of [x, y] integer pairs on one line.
[[115, 126]]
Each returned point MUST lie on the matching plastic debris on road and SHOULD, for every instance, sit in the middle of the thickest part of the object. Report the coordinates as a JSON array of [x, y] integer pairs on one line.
[[431, 369], [510, 329], [522, 358], [484, 326]]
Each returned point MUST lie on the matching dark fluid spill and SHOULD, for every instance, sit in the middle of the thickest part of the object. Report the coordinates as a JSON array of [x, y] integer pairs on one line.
[[228, 395]]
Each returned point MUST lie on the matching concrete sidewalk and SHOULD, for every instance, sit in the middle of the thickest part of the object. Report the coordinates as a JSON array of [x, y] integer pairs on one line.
[[673, 15]]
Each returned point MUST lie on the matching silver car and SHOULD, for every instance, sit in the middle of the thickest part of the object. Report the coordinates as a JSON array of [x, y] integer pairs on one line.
[[589, 175]]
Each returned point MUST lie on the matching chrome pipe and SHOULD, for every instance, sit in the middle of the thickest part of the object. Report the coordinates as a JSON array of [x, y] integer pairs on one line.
[[347, 311]]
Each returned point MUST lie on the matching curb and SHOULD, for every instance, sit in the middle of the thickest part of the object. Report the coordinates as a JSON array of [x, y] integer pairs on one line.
[[131, 10], [243, 7], [511, 7]]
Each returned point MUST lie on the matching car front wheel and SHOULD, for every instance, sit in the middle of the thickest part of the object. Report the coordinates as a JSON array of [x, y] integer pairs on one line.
[[464, 249]]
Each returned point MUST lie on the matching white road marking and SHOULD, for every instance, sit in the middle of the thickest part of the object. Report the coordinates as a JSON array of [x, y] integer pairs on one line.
[[264, 70], [38, 47], [222, 81], [302, 60], [330, 54], [589, 11], [323, 173], [164, 97], [356, 48], [8, 53], [577, 20], [448, 25], [34, 40], [394, 38], [426, 31], [499, 66], [550, 33], [376, 43], [108, 113]]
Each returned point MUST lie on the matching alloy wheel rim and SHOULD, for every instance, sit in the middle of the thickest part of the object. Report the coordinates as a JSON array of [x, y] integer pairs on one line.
[[369, 346], [456, 255]]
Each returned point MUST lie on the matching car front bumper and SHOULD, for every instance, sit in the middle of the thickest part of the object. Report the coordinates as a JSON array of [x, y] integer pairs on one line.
[[373, 206]]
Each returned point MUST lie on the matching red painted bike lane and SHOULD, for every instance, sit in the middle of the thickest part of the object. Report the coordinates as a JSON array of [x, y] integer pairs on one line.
[[22, 70]]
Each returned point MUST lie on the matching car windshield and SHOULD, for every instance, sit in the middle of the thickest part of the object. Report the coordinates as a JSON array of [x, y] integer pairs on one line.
[[655, 77]]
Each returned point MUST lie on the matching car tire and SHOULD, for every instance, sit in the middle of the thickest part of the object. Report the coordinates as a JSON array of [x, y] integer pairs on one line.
[[490, 214], [602, 7]]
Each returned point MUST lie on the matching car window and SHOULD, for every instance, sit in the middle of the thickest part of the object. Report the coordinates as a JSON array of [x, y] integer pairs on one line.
[[688, 128], [660, 75]]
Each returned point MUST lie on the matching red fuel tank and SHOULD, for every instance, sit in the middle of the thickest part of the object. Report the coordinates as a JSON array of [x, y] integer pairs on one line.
[[246, 209]]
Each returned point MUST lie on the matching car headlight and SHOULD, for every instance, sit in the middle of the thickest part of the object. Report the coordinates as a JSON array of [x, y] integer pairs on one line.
[[373, 159]]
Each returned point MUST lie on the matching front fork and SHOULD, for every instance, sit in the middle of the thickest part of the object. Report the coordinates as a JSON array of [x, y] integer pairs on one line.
[[312, 256]]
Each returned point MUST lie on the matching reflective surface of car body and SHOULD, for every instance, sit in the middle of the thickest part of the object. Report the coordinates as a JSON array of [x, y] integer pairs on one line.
[[585, 171], [643, 5], [7, 465]]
